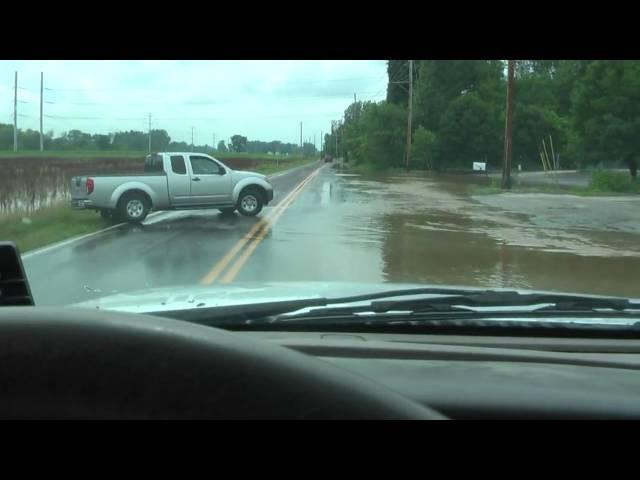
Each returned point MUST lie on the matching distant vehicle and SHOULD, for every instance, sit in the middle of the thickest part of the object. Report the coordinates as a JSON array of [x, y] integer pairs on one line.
[[328, 159], [172, 181]]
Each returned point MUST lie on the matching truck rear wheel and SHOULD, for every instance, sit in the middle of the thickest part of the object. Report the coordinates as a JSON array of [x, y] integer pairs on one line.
[[133, 207], [250, 203]]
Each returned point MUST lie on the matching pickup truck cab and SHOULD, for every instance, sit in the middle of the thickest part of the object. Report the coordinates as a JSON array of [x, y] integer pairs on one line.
[[172, 181]]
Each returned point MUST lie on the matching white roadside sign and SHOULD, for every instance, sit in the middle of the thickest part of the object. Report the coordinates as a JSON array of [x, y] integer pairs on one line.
[[479, 166]]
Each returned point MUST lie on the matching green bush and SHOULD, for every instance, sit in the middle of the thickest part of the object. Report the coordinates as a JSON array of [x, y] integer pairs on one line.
[[605, 181]]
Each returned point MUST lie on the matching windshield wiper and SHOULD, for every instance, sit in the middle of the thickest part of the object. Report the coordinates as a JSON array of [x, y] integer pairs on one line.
[[554, 302], [438, 300], [270, 309], [474, 305]]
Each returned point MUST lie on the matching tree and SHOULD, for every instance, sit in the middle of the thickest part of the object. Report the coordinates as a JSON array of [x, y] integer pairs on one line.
[[606, 111], [29, 140], [179, 147], [102, 142], [222, 147], [397, 70], [160, 140], [531, 124], [383, 138], [423, 147], [468, 132], [308, 149], [131, 140], [443, 81], [6, 136], [238, 143]]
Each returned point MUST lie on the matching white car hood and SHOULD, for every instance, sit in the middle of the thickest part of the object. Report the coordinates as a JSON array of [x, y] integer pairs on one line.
[[198, 296]]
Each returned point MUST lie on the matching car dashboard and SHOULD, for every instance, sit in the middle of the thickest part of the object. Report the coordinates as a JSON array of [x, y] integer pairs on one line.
[[488, 377]]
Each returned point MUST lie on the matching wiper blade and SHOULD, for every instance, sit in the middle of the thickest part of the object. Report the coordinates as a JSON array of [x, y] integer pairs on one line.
[[555, 302], [478, 302], [437, 300], [270, 309]]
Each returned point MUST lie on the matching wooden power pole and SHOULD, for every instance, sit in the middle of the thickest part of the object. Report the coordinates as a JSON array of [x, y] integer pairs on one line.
[[15, 114], [41, 101], [410, 112], [506, 170]]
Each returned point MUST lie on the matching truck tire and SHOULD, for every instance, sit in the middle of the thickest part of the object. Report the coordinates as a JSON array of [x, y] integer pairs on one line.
[[250, 202], [133, 207], [227, 211]]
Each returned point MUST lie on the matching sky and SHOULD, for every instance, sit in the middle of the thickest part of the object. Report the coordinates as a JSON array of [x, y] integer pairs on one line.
[[260, 99]]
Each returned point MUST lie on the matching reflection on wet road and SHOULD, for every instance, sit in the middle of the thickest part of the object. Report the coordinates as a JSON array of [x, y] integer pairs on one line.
[[340, 227]]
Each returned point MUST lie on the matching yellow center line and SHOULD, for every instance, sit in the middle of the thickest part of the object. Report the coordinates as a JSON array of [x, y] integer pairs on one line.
[[228, 257], [235, 268]]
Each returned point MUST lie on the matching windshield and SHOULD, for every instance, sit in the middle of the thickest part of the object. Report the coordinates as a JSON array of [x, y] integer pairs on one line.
[[343, 178]]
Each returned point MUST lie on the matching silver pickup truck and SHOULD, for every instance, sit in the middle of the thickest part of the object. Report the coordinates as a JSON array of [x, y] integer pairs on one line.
[[172, 181]]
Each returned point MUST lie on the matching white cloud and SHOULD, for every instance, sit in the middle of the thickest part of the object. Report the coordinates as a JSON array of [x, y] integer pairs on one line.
[[262, 99]]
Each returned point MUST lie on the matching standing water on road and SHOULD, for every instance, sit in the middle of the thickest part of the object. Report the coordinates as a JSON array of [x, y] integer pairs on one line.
[[434, 230]]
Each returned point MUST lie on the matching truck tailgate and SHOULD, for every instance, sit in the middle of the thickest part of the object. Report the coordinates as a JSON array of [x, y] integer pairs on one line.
[[79, 187]]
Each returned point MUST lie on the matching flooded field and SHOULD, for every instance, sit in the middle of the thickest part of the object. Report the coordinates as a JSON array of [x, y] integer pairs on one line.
[[28, 184]]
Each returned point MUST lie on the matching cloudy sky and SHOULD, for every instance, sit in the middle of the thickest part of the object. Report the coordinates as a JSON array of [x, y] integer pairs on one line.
[[261, 99]]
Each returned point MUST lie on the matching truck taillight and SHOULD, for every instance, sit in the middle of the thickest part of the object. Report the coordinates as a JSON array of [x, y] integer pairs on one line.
[[89, 185]]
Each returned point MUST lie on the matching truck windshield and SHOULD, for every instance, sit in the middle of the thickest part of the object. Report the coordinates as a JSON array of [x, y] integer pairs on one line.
[[153, 163]]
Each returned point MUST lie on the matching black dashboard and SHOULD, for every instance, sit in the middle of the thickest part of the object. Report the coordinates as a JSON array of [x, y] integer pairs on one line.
[[489, 377]]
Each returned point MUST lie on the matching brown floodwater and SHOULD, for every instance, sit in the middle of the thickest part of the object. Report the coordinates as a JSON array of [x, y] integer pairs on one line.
[[433, 229]]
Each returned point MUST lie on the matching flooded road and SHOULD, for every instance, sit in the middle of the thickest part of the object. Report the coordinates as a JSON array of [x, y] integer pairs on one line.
[[433, 230], [327, 226]]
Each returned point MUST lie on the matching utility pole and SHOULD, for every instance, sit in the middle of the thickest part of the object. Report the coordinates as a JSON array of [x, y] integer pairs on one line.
[[149, 133], [15, 114], [321, 143], [506, 170], [410, 113], [192, 139], [301, 136], [214, 142], [41, 90]]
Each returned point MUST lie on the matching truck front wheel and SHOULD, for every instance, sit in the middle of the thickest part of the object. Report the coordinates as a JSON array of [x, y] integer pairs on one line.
[[133, 207], [250, 203]]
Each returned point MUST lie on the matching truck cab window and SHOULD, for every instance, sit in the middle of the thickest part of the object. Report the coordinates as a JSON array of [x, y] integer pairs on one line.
[[205, 166], [177, 165]]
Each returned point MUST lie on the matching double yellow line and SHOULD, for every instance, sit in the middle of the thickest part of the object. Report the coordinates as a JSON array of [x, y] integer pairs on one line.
[[253, 237]]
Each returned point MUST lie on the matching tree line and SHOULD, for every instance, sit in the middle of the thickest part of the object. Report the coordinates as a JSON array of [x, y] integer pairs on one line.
[[588, 110], [134, 140]]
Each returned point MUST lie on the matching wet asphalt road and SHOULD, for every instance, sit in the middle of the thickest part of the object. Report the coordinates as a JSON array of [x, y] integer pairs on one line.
[[327, 226]]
